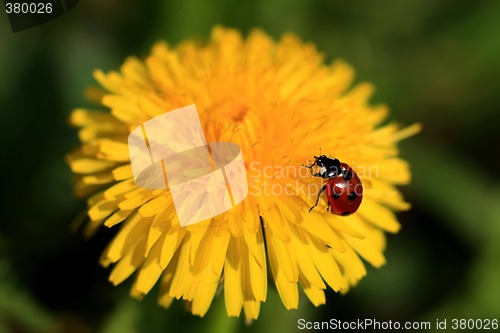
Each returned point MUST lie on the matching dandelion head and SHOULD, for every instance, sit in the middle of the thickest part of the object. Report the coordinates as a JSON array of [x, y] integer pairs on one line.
[[280, 103]]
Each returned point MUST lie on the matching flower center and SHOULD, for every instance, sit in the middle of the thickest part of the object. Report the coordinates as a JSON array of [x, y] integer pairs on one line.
[[239, 113]]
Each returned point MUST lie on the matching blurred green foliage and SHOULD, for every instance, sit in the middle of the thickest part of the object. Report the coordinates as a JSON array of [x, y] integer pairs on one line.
[[436, 62]]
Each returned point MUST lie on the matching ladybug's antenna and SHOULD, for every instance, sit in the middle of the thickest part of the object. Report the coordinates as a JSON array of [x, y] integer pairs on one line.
[[320, 151]]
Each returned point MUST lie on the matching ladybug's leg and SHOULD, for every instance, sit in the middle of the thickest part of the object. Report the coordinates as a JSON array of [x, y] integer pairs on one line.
[[309, 166], [317, 199], [317, 174]]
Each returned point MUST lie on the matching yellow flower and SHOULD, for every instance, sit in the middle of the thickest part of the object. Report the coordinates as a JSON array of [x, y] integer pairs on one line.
[[280, 103]]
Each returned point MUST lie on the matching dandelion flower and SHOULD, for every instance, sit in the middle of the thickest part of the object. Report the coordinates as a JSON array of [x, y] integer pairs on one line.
[[279, 102]]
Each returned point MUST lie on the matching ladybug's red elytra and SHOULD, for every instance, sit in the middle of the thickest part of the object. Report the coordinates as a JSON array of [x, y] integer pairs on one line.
[[344, 190]]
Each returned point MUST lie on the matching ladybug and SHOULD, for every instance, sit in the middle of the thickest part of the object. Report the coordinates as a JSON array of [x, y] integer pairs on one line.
[[344, 190]]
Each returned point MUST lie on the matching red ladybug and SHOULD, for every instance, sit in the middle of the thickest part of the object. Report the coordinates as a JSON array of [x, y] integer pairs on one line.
[[344, 190]]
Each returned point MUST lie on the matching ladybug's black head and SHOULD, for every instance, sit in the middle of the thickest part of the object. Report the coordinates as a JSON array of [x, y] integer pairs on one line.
[[322, 160], [329, 167]]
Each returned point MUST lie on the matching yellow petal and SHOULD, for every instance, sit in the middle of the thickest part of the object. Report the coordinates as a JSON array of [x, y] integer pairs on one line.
[[251, 218], [306, 264], [219, 249], [317, 296], [386, 194], [352, 267], [135, 71], [174, 237], [235, 225], [394, 170], [150, 271], [274, 221], [205, 293], [124, 109], [372, 246], [324, 262], [288, 209], [233, 290], [134, 229], [83, 117], [114, 151], [91, 228], [156, 206], [287, 290], [183, 276], [251, 308], [123, 172], [129, 263], [112, 82], [258, 275], [379, 215], [140, 198], [102, 209], [254, 246], [90, 165], [117, 191], [98, 178], [342, 225], [117, 217], [166, 282], [159, 227], [285, 260], [316, 224]]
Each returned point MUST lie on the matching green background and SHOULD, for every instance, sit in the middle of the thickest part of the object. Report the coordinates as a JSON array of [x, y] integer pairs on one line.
[[436, 62]]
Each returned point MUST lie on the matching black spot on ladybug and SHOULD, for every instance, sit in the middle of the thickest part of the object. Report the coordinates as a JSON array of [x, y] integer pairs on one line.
[[352, 196], [346, 213], [335, 196], [347, 174]]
